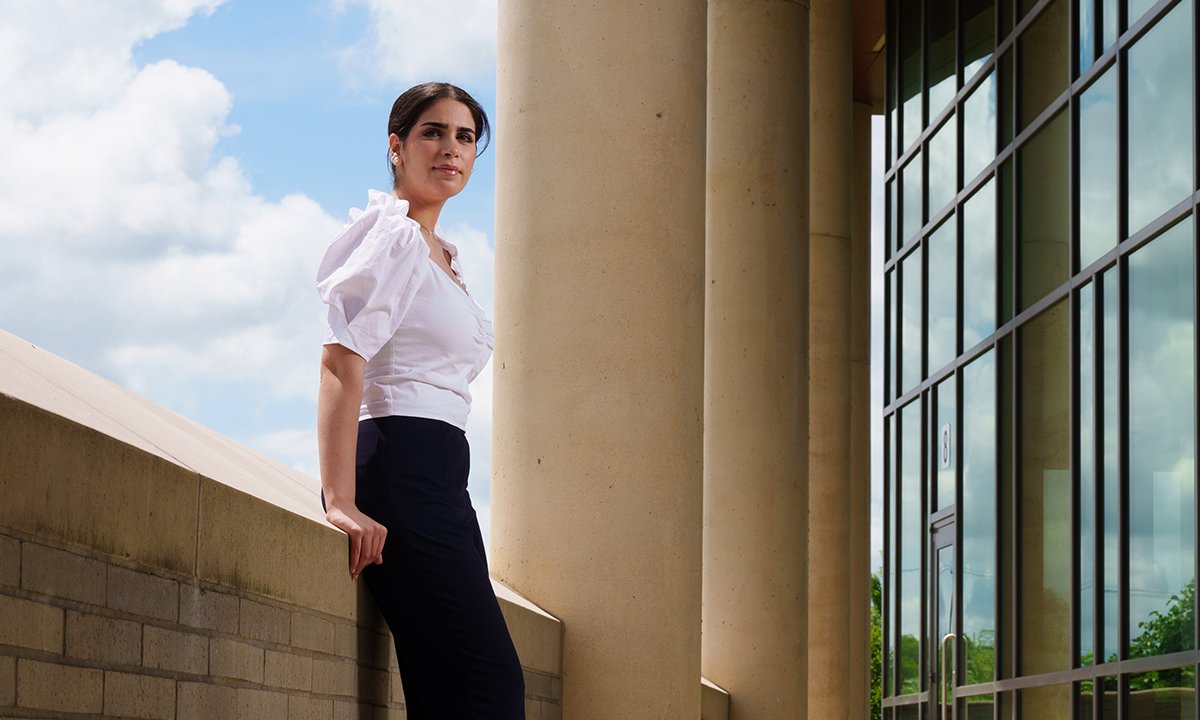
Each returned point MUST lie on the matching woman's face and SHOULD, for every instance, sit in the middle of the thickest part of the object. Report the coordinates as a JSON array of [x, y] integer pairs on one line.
[[437, 156]]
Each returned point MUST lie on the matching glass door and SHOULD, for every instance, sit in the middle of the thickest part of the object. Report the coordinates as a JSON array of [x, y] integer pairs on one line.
[[942, 623]]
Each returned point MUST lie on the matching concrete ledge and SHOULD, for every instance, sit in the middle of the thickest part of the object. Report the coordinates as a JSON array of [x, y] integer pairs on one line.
[[714, 701], [148, 556]]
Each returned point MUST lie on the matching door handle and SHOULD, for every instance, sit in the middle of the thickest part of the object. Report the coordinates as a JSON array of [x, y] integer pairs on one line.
[[942, 679]]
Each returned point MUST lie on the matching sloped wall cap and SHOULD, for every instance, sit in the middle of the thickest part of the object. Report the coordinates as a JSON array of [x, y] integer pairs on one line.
[[35, 376]]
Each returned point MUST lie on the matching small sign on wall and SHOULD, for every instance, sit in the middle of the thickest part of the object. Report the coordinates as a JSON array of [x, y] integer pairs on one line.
[[945, 446]]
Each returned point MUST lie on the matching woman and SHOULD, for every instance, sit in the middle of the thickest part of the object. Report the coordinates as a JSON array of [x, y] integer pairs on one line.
[[404, 340]]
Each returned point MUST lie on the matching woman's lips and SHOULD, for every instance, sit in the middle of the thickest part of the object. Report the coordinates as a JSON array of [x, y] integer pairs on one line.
[[448, 169]]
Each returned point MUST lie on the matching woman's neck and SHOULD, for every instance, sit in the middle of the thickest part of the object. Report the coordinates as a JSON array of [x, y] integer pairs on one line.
[[425, 214]]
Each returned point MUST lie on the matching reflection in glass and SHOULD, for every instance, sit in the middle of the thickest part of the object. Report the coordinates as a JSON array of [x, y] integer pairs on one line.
[[977, 707], [893, 337], [1045, 61], [910, 177], [1108, 20], [978, 512], [1007, 242], [979, 128], [891, 476], [1044, 194], [979, 265], [943, 167], [910, 71], [907, 712], [1163, 695], [910, 321], [1098, 168], [1159, 105], [1052, 702], [893, 239], [1110, 437], [911, 533], [1045, 492], [1088, 698], [1006, 663], [939, 60], [1136, 9], [979, 34], [943, 295], [1086, 32], [945, 618], [1007, 97], [1087, 476], [1161, 445], [944, 453]]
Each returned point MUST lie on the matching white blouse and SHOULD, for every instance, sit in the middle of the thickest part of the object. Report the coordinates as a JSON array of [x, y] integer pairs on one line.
[[423, 337]]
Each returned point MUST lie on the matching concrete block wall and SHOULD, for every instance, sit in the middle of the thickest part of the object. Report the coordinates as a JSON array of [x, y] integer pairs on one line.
[[150, 568]]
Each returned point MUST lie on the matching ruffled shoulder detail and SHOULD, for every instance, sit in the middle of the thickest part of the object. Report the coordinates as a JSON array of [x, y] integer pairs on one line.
[[370, 274]]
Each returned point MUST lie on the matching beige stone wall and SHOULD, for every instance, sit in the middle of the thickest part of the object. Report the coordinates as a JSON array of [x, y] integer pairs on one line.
[[133, 586]]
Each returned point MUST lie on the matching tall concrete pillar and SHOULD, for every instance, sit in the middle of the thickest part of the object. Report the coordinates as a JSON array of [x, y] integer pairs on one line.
[[756, 351], [860, 413], [829, 382], [598, 429]]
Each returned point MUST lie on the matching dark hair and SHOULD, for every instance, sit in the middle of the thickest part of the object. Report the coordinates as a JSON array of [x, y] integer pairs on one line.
[[415, 100]]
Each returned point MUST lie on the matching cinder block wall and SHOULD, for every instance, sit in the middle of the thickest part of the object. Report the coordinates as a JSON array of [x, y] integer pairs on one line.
[[150, 568]]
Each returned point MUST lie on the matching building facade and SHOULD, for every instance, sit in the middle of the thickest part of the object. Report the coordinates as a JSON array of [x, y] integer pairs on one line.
[[1040, 360]]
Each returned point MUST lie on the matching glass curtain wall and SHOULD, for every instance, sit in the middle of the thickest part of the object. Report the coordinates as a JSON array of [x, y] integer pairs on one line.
[[1040, 360]]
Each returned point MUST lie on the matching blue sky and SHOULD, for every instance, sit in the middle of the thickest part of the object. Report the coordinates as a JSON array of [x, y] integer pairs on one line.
[[174, 170]]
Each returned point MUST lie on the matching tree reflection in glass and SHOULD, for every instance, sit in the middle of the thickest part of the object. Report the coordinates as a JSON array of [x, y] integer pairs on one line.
[[1163, 695], [978, 512], [1161, 434], [1159, 106], [912, 532]]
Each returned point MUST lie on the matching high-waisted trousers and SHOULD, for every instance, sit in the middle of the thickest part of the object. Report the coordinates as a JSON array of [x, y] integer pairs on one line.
[[455, 654]]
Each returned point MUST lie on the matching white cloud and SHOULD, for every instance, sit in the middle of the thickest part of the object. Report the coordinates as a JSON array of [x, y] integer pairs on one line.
[[127, 245], [418, 40]]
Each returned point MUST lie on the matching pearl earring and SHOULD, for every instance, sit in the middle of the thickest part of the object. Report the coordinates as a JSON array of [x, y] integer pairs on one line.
[[395, 159]]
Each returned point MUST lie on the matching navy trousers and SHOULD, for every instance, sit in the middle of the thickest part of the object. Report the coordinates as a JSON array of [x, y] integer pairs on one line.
[[457, 660]]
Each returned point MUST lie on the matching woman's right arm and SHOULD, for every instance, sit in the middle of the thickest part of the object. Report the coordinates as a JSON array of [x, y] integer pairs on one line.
[[337, 435]]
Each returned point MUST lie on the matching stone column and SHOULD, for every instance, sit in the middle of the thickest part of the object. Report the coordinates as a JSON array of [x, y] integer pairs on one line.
[[756, 351], [860, 414], [830, 564], [598, 429]]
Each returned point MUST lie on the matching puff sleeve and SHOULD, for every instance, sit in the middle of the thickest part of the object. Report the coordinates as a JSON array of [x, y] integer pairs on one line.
[[370, 274]]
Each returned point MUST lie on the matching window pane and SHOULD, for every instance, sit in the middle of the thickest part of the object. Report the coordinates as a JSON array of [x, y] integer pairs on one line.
[[1087, 476], [1111, 483], [1136, 9], [978, 512], [893, 337], [911, 534], [979, 265], [1160, 117], [911, 190], [939, 31], [1098, 169], [1108, 695], [910, 321], [1007, 98], [943, 295], [1045, 493], [891, 552], [1108, 18], [1007, 243], [893, 239], [943, 167], [1163, 695], [1044, 62], [910, 70], [1161, 445], [979, 128], [1087, 34], [944, 453], [979, 34], [1046, 703], [1044, 196], [1006, 658]]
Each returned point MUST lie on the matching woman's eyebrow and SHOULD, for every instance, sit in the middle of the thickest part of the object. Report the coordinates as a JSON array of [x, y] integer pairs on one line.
[[443, 126]]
